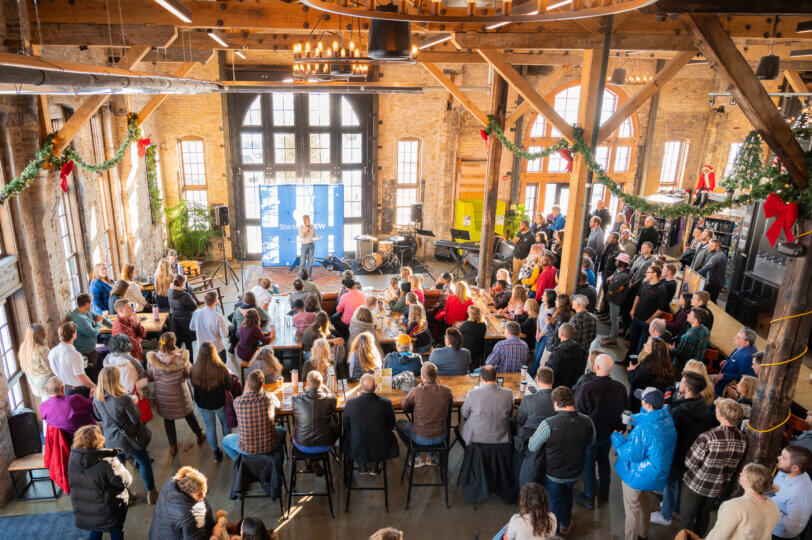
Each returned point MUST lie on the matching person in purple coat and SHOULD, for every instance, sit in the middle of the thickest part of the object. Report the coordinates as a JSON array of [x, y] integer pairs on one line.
[[67, 413]]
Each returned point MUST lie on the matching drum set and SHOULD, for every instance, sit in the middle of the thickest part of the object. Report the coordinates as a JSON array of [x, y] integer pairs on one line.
[[381, 255]]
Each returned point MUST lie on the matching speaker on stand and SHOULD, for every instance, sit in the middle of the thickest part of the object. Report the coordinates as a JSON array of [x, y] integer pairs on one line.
[[221, 220]]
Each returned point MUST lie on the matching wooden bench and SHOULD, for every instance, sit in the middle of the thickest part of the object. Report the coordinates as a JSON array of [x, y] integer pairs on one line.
[[29, 464]]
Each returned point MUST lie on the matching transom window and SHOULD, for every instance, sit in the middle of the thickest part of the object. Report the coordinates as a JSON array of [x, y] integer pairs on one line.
[[408, 166], [193, 186]]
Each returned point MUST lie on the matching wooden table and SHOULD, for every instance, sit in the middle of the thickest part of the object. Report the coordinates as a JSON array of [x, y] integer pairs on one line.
[[286, 335], [495, 329], [459, 384], [146, 320]]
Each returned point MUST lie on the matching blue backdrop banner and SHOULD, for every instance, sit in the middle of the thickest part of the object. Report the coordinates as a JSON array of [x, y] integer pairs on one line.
[[281, 211]]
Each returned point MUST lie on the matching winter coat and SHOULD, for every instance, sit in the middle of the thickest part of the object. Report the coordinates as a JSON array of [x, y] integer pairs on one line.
[[179, 517], [170, 371], [455, 310], [692, 417], [98, 482], [645, 455], [120, 420], [618, 286], [607, 264], [359, 327]]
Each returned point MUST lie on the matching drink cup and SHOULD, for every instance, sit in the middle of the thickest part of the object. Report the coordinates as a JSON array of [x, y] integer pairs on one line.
[[294, 380], [626, 417], [156, 313], [523, 386], [524, 373]]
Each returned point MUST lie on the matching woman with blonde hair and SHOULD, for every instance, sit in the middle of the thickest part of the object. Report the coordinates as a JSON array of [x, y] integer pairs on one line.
[[418, 328], [133, 293], [265, 360], [320, 359], [708, 394], [122, 425], [515, 305], [456, 307], [417, 287], [100, 289], [169, 367], [162, 281], [361, 322], [405, 272], [364, 355], [33, 356], [473, 332]]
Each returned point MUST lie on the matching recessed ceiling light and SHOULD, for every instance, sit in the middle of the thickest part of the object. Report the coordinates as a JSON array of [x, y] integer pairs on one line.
[[217, 37], [176, 8]]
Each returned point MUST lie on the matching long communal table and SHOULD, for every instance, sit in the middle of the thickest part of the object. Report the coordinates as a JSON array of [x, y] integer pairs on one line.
[[146, 319]]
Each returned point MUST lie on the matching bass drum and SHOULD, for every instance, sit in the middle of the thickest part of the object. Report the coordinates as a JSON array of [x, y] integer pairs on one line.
[[372, 262]]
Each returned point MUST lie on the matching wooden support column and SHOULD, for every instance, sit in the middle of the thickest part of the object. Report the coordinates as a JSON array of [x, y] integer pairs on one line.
[[787, 339], [644, 155], [458, 94], [498, 110]]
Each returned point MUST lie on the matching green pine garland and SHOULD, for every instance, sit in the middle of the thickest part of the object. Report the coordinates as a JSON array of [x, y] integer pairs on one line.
[[46, 155], [761, 181], [155, 202]]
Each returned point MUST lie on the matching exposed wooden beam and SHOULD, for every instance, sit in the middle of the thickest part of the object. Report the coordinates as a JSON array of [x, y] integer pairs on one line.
[[523, 108], [458, 94], [525, 90], [155, 101], [645, 93], [748, 91], [23, 60], [517, 59], [99, 35], [742, 7], [795, 81], [91, 105], [571, 40]]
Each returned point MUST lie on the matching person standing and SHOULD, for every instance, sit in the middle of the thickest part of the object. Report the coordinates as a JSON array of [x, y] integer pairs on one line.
[[100, 289], [702, 256], [522, 242], [182, 305], [210, 326], [33, 355], [211, 380], [568, 359], [584, 322], [794, 489], [307, 237], [644, 459], [651, 302], [67, 364], [649, 234], [617, 292], [740, 362], [603, 213], [534, 407], [692, 344], [558, 220], [715, 269], [88, 325], [595, 240]]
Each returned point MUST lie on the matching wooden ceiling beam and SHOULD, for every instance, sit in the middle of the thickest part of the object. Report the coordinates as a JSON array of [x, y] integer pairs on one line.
[[748, 91], [517, 59], [99, 35], [741, 7], [795, 81], [458, 94], [155, 101], [645, 93], [570, 40], [525, 90], [91, 105]]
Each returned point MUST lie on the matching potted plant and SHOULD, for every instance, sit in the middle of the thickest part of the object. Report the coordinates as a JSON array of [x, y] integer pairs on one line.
[[515, 215], [189, 228]]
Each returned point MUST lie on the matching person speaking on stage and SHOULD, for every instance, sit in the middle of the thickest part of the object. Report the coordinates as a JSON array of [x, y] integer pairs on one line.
[[307, 235]]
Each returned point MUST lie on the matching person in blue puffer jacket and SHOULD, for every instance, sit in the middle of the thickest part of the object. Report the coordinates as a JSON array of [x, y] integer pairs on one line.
[[644, 459]]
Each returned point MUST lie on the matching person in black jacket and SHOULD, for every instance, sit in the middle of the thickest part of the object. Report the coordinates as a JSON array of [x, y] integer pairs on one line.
[[182, 512], [692, 417], [182, 305], [534, 408], [315, 428], [568, 360], [98, 485], [649, 234], [654, 370], [607, 266], [603, 400], [369, 421], [473, 333]]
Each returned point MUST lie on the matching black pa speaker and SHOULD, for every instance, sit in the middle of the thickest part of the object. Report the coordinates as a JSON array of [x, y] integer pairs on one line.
[[417, 213], [220, 216], [25, 435]]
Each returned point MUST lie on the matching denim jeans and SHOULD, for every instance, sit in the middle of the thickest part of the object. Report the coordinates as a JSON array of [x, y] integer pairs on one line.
[[671, 493], [231, 443], [597, 453], [501, 534], [306, 262], [560, 500], [534, 366], [406, 433], [638, 334], [115, 534], [211, 425], [144, 467], [614, 318]]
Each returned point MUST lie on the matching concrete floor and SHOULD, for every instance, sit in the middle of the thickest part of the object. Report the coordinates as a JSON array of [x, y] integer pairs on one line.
[[426, 518]]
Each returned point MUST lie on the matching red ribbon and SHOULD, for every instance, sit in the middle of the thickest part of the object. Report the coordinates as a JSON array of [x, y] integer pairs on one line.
[[142, 146], [67, 168], [483, 134], [785, 216], [567, 155]]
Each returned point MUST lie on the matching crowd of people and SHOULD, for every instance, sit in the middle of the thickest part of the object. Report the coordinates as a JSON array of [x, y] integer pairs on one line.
[[676, 431]]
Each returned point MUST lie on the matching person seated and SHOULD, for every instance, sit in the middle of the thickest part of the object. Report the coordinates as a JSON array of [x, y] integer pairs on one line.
[[172, 259], [430, 406], [347, 281], [392, 292], [568, 359], [365, 357], [701, 299], [387, 533], [535, 520], [486, 412], [501, 293], [528, 321], [584, 322], [314, 418], [67, 364], [418, 329], [557, 220], [654, 371], [515, 307], [118, 292], [794, 488], [740, 362], [320, 329], [473, 332], [456, 307], [133, 293], [511, 353], [251, 336], [547, 279], [362, 321], [399, 304], [403, 359], [347, 304], [255, 410], [691, 344], [416, 283], [743, 392], [132, 374], [161, 282], [88, 326], [584, 288], [265, 361], [67, 413], [249, 528], [368, 422], [249, 302], [305, 313], [298, 292], [182, 510], [444, 284], [264, 291], [411, 300], [100, 289], [452, 359], [309, 286], [534, 408], [679, 323], [405, 273]]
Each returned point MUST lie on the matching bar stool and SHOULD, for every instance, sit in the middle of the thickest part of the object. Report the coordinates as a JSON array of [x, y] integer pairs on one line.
[[296, 456], [413, 451], [349, 467]]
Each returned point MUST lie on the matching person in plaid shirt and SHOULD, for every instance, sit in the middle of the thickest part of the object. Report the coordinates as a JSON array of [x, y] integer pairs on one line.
[[510, 354], [255, 412], [710, 464], [583, 321]]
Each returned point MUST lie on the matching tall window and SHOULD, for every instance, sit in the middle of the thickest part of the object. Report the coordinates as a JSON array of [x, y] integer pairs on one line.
[[11, 368], [673, 163], [193, 186], [731, 158], [530, 197], [68, 239], [408, 167], [106, 234]]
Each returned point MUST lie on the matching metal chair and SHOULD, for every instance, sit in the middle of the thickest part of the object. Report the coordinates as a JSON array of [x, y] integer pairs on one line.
[[324, 457], [349, 467]]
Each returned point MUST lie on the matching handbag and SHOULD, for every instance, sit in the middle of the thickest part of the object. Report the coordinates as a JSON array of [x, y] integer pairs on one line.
[[230, 413], [144, 407], [140, 438]]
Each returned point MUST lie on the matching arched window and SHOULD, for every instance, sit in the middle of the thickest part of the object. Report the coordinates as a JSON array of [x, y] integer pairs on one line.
[[545, 182]]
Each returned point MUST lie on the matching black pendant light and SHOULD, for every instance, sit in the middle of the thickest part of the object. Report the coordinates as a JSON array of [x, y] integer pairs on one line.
[[767, 68], [618, 76], [389, 40]]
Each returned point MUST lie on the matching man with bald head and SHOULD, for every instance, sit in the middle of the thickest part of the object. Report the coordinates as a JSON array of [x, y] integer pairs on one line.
[[369, 421], [603, 400]]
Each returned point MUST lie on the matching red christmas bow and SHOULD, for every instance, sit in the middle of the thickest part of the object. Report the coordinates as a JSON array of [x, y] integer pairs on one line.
[[142, 146], [483, 134], [785, 216], [67, 168], [567, 155]]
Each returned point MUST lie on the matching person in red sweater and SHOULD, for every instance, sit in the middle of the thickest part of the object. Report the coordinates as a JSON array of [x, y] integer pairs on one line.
[[456, 308], [547, 279], [127, 323]]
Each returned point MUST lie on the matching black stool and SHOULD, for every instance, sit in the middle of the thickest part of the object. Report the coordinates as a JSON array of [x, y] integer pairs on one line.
[[348, 473], [415, 449], [247, 470], [324, 457]]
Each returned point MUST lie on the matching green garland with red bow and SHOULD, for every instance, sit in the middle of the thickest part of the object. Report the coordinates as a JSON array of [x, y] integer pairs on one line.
[[66, 161]]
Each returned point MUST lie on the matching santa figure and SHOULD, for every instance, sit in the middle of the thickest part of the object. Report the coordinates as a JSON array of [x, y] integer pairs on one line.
[[706, 183]]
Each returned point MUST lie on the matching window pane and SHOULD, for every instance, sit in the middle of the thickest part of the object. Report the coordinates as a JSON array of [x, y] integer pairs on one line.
[[351, 147], [193, 163], [251, 148], [285, 177], [352, 193], [284, 147], [7, 347], [597, 195], [549, 198], [251, 182], [404, 199], [609, 105], [622, 158], [282, 108], [564, 199], [319, 148], [534, 165], [407, 161], [320, 177], [253, 239], [253, 117], [566, 104], [15, 396], [348, 116], [731, 158], [625, 129], [538, 127], [602, 156], [319, 109], [671, 155], [351, 230], [530, 198], [197, 196], [556, 164]]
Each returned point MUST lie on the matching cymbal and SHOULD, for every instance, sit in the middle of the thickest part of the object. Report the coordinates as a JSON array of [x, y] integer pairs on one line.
[[398, 239]]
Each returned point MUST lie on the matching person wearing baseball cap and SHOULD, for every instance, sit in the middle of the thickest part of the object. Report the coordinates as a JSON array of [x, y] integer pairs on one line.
[[403, 359], [617, 290], [644, 459]]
